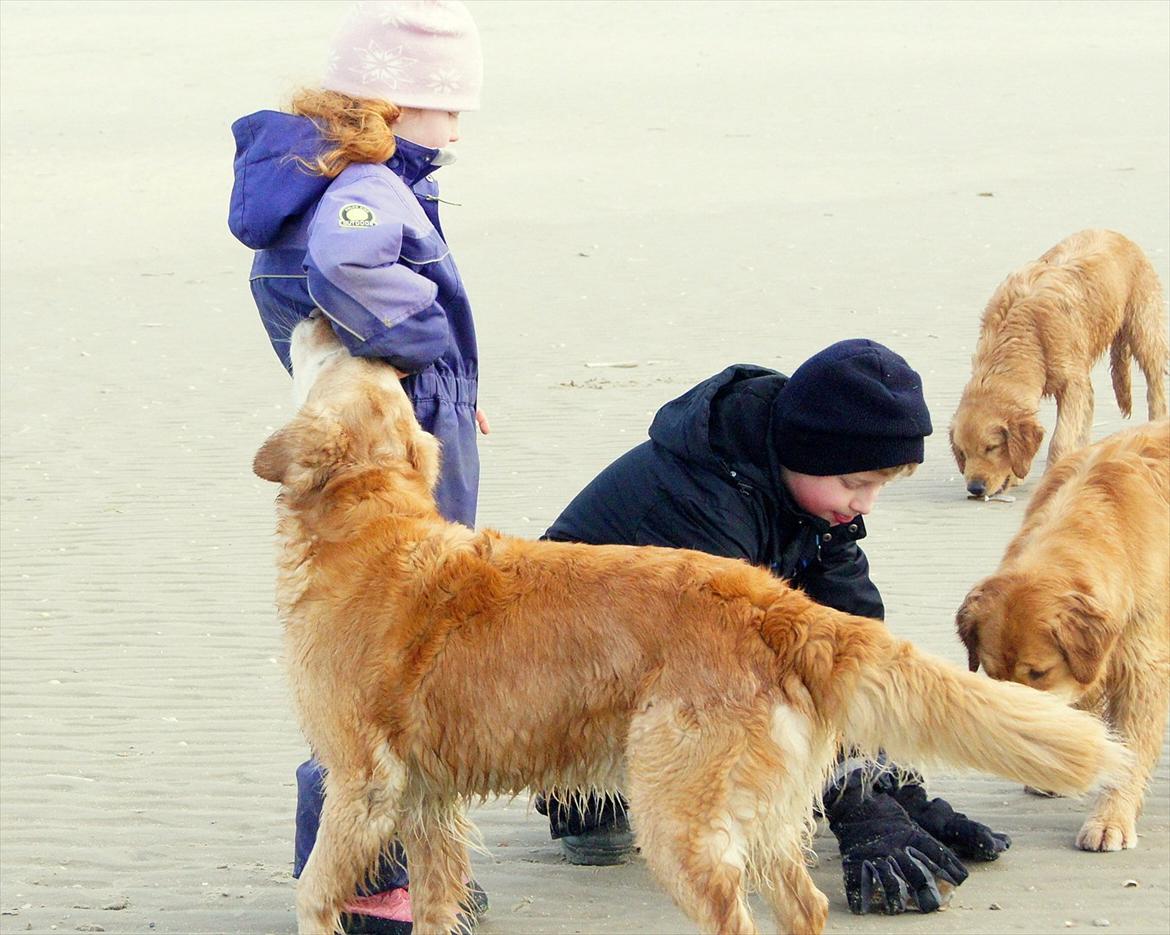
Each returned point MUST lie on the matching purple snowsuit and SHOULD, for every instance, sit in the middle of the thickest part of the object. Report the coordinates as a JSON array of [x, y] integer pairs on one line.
[[367, 249]]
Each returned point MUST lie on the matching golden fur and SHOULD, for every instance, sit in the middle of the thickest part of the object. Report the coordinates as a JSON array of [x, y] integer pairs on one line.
[[430, 663], [1042, 331], [1080, 605]]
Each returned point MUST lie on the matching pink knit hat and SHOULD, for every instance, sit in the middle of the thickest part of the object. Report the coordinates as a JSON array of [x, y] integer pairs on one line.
[[414, 53]]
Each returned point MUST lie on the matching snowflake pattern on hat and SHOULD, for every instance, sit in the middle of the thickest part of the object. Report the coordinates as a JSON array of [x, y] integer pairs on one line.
[[386, 67], [445, 81]]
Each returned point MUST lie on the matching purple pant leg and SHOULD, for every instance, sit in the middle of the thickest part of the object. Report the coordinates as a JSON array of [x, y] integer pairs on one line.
[[310, 796]]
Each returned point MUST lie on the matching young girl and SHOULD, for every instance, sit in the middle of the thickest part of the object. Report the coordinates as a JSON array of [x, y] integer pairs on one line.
[[338, 200]]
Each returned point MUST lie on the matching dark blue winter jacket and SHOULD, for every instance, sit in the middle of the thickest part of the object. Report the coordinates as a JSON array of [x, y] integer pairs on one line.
[[708, 479], [366, 248]]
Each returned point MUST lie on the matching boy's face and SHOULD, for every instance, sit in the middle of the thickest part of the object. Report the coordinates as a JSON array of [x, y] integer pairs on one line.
[[431, 128], [836, 498]]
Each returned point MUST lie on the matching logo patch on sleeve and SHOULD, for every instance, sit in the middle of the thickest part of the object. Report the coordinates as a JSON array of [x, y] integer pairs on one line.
[[355, 215]]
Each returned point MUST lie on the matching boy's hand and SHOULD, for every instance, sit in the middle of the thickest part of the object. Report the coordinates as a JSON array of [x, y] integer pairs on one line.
[[482, 421], [889, 862], [970, 839]]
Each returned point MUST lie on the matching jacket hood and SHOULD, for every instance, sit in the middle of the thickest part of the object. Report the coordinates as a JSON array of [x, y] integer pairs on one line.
[[712, 416], [725, 425], [271, 188]]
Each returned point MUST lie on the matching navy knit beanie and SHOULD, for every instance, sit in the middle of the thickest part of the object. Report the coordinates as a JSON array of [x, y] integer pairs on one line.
[[855, 406]]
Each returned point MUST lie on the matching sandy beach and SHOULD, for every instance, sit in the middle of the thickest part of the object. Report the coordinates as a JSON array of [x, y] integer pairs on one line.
[[651, 192]]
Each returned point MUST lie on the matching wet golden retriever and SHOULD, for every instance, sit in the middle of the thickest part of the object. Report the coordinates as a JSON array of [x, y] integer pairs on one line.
[[1080, 605], [1042, 331], [430, 663]]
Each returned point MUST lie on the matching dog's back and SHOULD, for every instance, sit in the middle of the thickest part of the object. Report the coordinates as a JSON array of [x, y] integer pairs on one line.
[[1115, 493], [1093, 290]]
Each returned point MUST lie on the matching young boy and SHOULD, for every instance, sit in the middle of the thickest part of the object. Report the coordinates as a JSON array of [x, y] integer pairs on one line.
[[780, 472]]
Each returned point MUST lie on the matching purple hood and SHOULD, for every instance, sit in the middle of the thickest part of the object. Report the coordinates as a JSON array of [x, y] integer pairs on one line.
[[271, 188]]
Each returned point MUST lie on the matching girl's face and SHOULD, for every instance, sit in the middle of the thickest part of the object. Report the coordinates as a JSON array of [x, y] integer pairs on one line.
[[431, 128], [837, 498]]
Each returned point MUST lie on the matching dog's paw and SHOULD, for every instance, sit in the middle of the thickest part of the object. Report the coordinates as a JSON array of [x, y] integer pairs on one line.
[[813, 918], [1107, 834]]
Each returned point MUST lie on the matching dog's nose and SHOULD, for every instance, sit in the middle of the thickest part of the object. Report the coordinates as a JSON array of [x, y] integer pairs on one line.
[[976, 488]]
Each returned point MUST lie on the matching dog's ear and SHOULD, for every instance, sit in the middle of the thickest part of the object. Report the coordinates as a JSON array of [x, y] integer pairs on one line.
[[968, 619], [274, 457], [419, 447], [960, 458], [1084, 634], [1024, 435], [422, 449], [304, 454]]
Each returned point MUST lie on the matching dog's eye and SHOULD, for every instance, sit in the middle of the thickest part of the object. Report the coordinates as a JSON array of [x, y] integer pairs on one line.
[[1037, 674], [990, 448]]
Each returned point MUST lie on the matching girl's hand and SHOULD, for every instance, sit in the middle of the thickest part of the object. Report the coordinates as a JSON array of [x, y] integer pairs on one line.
[[482, 421]]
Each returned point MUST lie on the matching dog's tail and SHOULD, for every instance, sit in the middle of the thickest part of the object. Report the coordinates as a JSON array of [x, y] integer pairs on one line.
[[883, 694], [1120, 357], [926, 711]]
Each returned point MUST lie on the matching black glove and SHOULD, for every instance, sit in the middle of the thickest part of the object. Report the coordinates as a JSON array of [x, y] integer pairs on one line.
[[970, 839], [884, 853]]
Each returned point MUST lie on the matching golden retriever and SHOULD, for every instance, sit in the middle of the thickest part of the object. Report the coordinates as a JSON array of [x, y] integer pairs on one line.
[[1042, 331], [1080, 605], [430, 664]]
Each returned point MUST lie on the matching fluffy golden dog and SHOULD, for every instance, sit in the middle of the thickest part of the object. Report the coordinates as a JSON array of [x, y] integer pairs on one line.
[[1042, 331], [430, 663], [1080, 605]]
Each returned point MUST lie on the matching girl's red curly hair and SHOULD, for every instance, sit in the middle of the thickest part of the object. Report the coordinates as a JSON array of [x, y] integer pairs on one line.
[[359, 128]]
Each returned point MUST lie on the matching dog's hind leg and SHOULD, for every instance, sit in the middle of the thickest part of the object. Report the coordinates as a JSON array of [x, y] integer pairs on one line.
[[799, 907], [686, 814], [786, 823], [435, 835], [358, 819], [785, 827], [1147, 338]]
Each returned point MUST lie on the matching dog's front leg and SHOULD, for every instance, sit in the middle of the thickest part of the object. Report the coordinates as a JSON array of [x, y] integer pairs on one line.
[[1074, 419], [1137, 711], [358, 818]]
